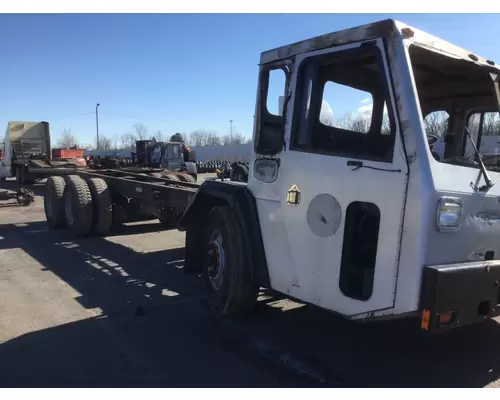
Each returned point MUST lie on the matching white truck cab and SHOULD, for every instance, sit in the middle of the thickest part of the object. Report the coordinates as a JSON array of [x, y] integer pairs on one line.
[[361, 217]]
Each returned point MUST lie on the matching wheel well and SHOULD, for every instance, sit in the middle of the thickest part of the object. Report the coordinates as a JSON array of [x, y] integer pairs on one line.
[[245, 210], [193, 222]]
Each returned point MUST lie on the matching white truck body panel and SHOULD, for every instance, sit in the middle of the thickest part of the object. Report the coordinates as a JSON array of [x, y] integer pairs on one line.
[[304, 263], [312, 275]]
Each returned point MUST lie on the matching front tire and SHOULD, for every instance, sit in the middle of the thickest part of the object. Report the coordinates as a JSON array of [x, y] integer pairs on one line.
[[226, 272]]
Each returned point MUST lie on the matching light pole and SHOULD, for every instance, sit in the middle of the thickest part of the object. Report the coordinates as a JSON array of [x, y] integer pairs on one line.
[[231, 131], [97, 123]]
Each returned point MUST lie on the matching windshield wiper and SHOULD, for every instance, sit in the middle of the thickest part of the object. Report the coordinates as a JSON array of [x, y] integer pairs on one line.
[[489, 184]]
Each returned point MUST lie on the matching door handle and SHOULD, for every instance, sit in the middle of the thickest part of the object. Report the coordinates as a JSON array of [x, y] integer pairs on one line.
[[352, 163]]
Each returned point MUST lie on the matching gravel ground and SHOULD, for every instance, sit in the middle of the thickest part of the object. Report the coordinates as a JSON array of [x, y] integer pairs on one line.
[[119, 311]]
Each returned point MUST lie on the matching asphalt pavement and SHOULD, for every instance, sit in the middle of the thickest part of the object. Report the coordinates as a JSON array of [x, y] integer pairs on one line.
[[120, 312]]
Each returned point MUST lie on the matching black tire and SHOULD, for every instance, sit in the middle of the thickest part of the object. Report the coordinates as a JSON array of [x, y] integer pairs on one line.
[[53, 202], [102, 212], [240, 174], [235, 293], [186, 178], [77, 206], [172, 177]]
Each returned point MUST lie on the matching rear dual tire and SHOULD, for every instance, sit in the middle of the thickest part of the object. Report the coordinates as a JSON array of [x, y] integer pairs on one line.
[[102, 206], [53, 201], [78, 205], [83, 207]]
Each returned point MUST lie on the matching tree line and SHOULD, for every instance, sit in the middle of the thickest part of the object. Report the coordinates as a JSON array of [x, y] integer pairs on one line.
[[126, 141], [436, 123]]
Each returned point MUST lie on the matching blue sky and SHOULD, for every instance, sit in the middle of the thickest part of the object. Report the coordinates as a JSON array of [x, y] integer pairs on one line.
[[169, 72]]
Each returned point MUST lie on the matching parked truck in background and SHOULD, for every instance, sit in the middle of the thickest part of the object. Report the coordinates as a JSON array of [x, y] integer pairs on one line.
[[23, 141]]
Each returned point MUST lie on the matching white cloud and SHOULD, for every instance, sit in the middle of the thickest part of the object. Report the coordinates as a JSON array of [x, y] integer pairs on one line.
[[366, 100], [366, 111]]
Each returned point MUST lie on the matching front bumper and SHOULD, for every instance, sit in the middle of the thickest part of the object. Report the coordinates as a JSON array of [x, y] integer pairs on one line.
[[459, 294]]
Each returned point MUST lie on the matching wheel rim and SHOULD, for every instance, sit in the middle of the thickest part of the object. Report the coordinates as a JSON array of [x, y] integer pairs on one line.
[[68, 208], [216, 260]]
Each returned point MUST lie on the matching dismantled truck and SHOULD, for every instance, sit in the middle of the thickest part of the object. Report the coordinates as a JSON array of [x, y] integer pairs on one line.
[[27, 155], [361, 218], [23, 142]]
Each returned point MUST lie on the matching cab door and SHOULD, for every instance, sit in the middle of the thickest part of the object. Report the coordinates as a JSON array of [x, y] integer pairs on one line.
[[173, 158], [333, 216]]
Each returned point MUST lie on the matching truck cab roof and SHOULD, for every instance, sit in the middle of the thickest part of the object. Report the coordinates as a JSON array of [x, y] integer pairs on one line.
[[388, 28]]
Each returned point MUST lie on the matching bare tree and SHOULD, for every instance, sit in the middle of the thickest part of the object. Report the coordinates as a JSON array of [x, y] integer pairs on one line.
[[141, 131], [236, 138], [352, 122], [386, 125], [198, 138], [159, 136], [67, 140], [491, 124], [436, 123], [116, 137], [105, 144], [128, 141], [213, 139]]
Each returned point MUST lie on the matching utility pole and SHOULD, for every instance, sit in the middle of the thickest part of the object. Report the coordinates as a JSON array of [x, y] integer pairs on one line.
[[231, 131], [97, 124]]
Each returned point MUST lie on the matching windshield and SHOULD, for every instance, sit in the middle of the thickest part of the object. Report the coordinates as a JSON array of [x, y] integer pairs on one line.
[[174, 152], [456, 94], [156, 155]]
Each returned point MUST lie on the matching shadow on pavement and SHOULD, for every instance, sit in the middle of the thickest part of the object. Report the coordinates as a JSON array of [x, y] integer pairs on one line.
[[155, 329]]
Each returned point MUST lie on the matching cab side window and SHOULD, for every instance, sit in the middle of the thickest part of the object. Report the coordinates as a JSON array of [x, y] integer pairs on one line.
[[273, 83], [341, 107]]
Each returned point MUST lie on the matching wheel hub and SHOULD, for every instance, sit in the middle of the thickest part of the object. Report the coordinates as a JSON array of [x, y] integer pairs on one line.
[[216, 261], [25, 197]]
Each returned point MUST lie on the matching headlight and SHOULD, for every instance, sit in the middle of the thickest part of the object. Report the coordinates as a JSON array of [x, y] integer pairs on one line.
[[449, 215]]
